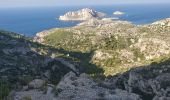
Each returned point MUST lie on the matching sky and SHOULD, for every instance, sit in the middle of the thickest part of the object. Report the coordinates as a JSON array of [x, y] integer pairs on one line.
[[38, 3]]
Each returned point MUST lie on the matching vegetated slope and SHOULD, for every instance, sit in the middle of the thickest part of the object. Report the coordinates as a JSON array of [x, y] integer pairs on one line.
[[115, 46], [22, 61]]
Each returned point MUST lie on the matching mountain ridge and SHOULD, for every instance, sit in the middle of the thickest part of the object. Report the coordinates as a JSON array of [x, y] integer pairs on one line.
[[119, 41]]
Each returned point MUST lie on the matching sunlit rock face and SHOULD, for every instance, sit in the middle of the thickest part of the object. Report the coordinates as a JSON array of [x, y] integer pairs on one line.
[[84, 14], [164, 22]]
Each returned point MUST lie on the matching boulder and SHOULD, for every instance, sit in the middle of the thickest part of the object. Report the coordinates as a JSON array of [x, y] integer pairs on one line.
[[36, 83]]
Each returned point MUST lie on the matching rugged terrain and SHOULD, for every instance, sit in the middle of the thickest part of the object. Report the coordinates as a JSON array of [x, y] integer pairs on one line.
[[114, 46], [22, 61], [97, 59]]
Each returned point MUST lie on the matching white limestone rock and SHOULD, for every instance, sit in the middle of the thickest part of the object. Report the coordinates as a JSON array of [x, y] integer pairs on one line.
[[152, 47], [36, 83], [100, 55], [80, 15]]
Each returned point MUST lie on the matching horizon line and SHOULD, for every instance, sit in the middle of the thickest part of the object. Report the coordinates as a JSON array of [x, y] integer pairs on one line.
[[81, 5]]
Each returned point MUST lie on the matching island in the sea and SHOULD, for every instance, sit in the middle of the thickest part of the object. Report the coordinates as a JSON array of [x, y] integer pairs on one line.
[[118, 13], [81, 15]]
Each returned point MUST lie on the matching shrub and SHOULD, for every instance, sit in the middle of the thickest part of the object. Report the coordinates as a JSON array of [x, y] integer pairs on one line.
[[26, 98], [4, 90]]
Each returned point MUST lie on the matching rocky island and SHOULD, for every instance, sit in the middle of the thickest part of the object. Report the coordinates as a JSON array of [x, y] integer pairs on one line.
[[81, 15], [118, 13]]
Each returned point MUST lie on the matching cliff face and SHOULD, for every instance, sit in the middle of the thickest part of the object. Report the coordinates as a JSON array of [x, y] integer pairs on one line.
[[84, 14]]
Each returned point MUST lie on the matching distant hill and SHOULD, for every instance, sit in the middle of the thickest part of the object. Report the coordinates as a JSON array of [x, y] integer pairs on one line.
[[114, 44]]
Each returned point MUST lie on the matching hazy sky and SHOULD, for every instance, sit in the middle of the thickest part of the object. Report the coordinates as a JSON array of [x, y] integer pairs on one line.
[[37, 3]]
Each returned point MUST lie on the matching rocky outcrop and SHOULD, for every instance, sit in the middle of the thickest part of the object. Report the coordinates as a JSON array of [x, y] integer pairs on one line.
[[36, 83], [84, 14], [144, 83], [83, 87], [73, 87], [149, 47], [39, 36], [164, 22], [99, 55], [34, 95], [24, 64], [150, 82]]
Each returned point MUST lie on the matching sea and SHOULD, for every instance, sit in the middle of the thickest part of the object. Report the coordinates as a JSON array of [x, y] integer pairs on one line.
[[29, 21]]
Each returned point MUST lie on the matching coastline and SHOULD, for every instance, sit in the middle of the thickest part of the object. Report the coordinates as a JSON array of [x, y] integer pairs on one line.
[[30, 21], [44, 33]]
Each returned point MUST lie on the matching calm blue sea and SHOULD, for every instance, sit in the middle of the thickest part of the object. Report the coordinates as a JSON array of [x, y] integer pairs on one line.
[[29, 21]]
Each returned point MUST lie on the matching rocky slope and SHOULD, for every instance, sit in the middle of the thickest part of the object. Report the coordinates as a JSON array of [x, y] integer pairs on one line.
[[150, 82], [22, 61], [81, 15], [145, 83], [114, 44]]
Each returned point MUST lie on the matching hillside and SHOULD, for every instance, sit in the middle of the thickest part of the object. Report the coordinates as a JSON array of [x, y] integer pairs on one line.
[[112, 44], [22, 61]]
